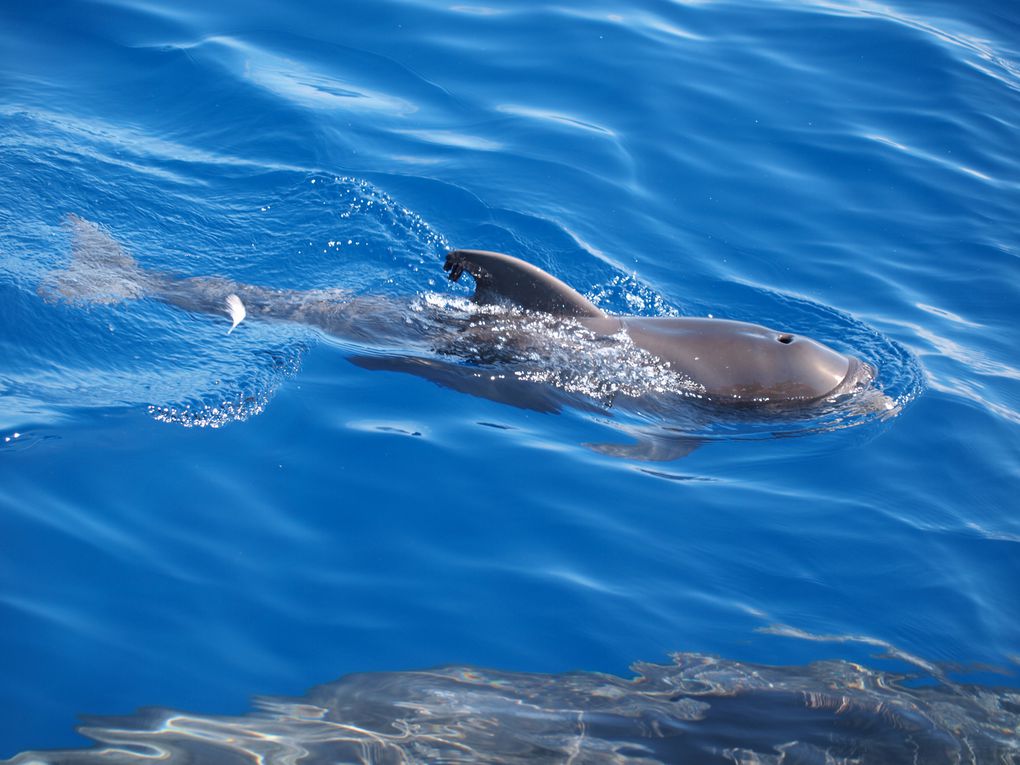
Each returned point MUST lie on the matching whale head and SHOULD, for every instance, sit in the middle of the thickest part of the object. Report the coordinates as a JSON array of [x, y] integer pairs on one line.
[[737, 362]]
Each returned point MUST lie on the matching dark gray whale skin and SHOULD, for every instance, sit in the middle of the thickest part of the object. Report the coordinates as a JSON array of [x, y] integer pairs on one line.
[[729, 363], [735, 362]]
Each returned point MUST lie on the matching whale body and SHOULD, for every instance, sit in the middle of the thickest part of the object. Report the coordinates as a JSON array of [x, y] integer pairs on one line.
[[526, 333]]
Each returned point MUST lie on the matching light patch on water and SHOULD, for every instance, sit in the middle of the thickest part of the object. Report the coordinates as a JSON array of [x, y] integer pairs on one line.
[[583, 243], [783, 630], [931, 158], [966, 390], [976, 173], [578, 579], [971, 357], [953, 317], [454, 139], [544, 115], [999, 536], [302, 85], [887, 141], [670, 29], [479, 10]]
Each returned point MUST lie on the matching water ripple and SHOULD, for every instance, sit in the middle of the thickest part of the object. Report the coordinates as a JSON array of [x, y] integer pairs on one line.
[[843, 168]]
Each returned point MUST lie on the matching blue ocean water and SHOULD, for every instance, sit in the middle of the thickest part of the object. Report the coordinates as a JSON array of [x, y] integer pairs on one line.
[[190, 518]]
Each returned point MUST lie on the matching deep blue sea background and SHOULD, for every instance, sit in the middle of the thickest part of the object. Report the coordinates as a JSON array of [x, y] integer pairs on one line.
[[188, 519]]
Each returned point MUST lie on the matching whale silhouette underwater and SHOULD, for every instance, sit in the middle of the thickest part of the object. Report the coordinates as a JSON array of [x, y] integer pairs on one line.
[[526, 339]]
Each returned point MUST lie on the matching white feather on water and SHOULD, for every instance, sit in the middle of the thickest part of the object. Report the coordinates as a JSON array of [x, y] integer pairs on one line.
[[236, 310]]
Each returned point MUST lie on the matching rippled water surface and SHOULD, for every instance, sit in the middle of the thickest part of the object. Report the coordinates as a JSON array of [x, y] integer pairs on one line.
[[191, 518]]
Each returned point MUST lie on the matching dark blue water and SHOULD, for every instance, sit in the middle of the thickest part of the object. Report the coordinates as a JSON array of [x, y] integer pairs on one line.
[[190, 518]]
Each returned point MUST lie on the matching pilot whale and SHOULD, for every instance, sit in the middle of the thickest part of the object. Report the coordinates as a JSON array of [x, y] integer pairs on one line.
[[518, 321]]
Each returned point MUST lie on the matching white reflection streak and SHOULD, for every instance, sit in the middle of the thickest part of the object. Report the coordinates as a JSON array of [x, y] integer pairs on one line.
[[784, 630], [927, 157]]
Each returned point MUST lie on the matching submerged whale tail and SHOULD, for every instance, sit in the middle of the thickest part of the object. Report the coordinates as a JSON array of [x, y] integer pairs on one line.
[[100, 270]]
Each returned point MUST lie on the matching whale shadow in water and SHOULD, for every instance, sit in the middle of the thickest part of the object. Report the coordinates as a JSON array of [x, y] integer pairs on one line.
[[528, 340], [698, 709]]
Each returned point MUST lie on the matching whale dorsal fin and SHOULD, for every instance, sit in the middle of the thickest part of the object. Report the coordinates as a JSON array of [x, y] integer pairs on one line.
[[504, 278]]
